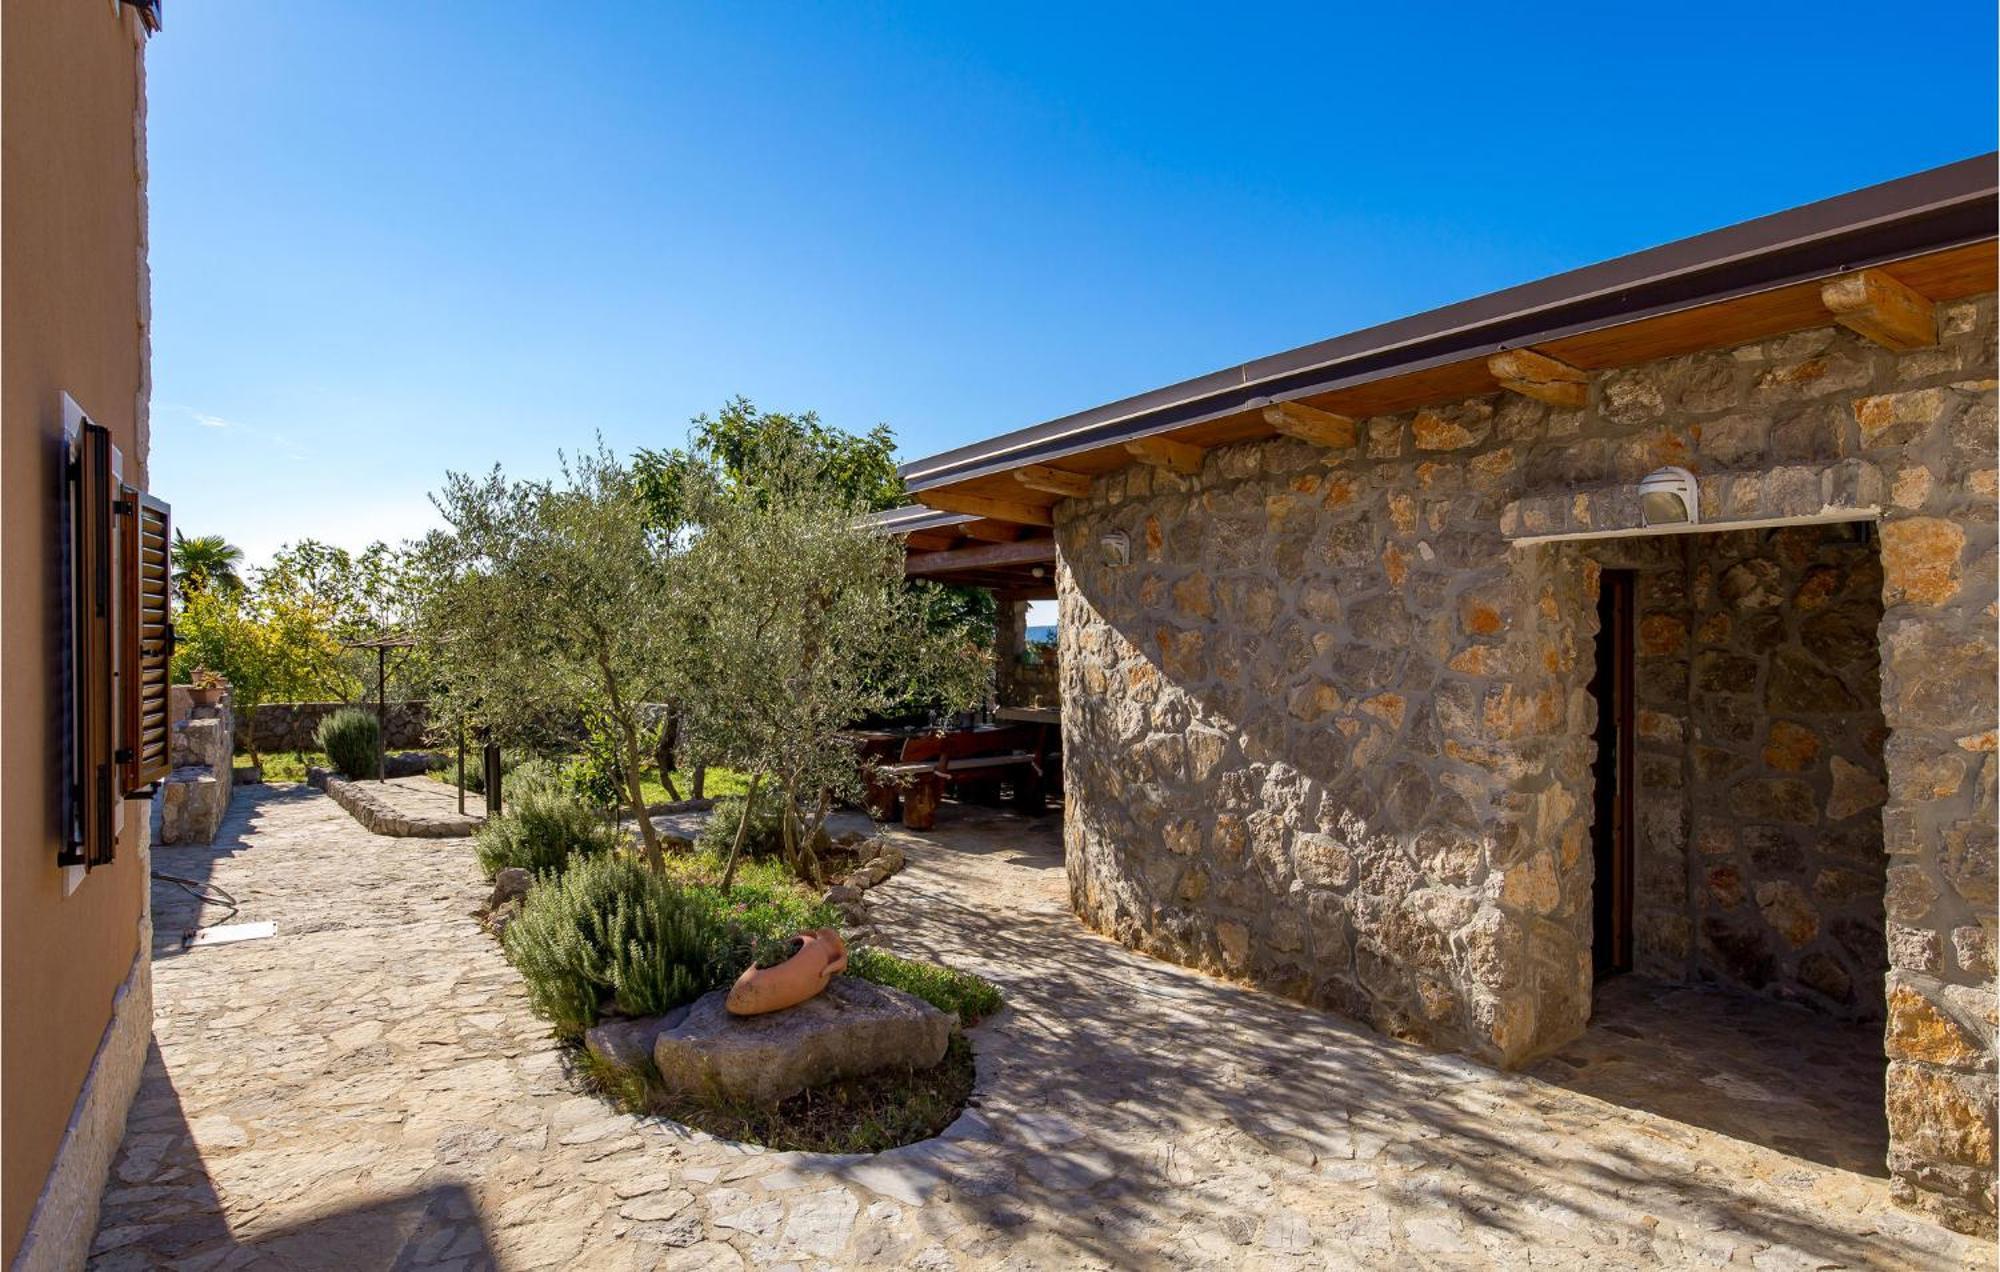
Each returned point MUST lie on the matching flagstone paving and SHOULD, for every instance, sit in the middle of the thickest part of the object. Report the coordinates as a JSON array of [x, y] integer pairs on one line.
[[368, 1089]]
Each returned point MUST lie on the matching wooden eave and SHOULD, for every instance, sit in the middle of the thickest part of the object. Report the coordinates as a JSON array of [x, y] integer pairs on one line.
[[1885, 229]]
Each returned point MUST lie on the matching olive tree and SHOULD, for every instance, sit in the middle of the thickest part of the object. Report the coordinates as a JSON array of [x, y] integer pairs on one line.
[[805, 629], [545, 600]]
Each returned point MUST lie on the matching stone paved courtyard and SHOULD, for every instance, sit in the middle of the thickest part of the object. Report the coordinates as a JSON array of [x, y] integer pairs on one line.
[[368, 1089]]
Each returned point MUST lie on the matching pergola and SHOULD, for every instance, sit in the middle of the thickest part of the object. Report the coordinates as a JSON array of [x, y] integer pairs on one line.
[[1016, 562], [382, 643]]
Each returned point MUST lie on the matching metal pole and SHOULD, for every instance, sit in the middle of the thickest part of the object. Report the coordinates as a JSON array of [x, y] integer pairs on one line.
[[381, 712]]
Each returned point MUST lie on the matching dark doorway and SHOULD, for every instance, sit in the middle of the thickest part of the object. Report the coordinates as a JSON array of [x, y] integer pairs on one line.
[[1611, 828]]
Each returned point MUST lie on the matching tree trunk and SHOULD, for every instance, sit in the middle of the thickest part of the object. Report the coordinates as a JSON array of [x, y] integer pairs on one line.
[[663, 752], [649, 838], [742, 832], [699, 781]]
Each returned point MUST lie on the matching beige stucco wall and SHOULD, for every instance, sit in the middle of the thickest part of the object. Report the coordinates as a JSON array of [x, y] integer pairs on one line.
[[72, 309]]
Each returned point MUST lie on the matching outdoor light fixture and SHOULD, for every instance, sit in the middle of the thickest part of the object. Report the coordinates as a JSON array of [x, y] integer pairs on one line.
[[1667, 498], [1116, 548]]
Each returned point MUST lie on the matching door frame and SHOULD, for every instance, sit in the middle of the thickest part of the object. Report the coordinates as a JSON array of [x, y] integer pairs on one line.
[[1612, 827]]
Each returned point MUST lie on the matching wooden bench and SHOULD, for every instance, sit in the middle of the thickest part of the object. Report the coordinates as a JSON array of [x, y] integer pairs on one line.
[[930, 763]]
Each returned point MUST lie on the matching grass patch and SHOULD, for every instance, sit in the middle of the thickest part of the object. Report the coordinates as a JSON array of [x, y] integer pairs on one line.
[[973, 998], [290, 766], [854, 1115], [718, 783]]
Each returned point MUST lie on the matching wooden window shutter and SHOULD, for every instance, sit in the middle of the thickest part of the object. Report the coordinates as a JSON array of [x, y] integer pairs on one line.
[[148, 639], [93, 485]]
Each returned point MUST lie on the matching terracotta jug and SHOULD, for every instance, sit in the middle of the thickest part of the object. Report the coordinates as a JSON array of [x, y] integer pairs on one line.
[[821, 955]]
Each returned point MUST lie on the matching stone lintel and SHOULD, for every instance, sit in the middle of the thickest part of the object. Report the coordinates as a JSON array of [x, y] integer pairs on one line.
[[1852, 490]]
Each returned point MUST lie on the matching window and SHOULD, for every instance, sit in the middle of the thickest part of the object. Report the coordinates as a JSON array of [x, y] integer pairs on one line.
[[115, 568]]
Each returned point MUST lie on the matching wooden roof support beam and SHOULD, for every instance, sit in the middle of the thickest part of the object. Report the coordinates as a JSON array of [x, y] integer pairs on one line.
[[1541, 377], [1165, 452], [1310, 424], [985, 556], [1021, 514], [990, 531], [1053, 481], [1875, 305]]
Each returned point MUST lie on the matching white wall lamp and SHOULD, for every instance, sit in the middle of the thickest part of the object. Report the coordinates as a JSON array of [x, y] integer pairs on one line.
[[1116, 547], [1668, 497]]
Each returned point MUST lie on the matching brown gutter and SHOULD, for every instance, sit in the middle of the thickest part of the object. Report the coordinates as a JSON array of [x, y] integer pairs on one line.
[[1913, 216]]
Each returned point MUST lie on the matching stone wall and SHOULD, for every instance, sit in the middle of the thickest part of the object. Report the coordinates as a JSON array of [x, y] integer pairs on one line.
[[1024, 675], [200, 747], [1330, 732], [1760, 775], [289, 726]]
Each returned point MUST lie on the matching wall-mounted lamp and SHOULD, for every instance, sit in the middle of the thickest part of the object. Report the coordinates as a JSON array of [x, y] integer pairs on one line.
[[1667, 497], [1116, 549]]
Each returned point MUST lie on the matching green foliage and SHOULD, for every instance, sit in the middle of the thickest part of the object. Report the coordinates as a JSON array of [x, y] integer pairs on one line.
[[525, 777], [971, 997], [611, 927], [350, 737], [819, 633], [753, 454], [543, 601], [205, 562], [764, 838], [540, 828], [594, 775]]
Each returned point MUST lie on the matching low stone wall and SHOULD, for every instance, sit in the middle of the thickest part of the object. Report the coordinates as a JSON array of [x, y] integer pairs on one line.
[[373, 807], [289, 726]]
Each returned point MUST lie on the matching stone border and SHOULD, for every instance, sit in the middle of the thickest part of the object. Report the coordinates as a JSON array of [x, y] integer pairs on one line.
[[384, 818]]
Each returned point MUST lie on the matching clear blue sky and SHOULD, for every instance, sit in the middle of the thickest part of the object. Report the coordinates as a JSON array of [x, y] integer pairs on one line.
[[393, 238]]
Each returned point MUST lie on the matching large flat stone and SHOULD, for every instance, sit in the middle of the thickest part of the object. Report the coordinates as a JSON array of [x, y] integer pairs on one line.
[[854, 1028]]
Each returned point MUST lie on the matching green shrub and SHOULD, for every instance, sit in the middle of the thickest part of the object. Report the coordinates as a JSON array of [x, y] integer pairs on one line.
[[973, 998], [540, 829], [528, 778], [593, 777], [610, 927], [350, 737], [767, 828]]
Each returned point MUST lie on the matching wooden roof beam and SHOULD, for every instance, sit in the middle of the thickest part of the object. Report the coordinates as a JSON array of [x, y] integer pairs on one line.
[[990, 531], [1310, 424], [1874, 305], [1053, 481], [1165, 452], [1541, 377], [985, 556], [1021, 514]]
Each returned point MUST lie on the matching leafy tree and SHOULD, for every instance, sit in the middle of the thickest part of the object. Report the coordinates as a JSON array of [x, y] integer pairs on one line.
[[364, 595], [806, 630], [205, 561], [270, 646], [750, 450], [542, 600], [744, 454]]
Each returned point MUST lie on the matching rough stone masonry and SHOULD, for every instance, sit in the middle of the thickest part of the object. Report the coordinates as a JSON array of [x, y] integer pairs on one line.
[[1331, 731]]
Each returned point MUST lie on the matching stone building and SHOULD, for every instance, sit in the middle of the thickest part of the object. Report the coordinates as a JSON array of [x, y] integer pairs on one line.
[[1385, 687]]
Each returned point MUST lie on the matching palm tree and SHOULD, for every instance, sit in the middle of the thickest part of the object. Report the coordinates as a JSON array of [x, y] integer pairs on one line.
[[204, 561]]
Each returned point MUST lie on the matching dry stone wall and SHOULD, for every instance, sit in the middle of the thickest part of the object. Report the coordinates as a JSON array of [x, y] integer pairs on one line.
[[289, 726], [1329, 731]]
